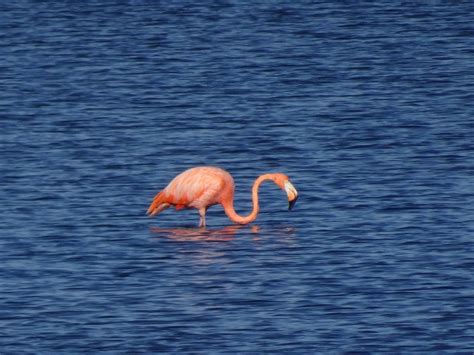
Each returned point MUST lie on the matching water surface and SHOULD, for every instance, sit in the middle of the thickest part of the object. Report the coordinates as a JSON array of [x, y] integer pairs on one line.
[[367, 107]]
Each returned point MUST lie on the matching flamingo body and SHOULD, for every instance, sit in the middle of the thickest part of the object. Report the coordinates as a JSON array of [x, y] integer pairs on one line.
[[199, 187], [202, 187]]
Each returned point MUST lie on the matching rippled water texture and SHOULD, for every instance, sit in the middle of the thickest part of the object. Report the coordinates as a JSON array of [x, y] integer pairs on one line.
[[367, 107]]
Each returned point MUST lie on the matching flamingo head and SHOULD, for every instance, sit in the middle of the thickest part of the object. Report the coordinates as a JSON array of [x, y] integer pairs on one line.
[[284, 183]]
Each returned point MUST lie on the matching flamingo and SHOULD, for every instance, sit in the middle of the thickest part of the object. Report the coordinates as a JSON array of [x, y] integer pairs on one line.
[[204, 186]]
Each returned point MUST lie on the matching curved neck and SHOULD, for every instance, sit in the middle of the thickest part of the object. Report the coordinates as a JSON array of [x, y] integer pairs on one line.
[[229, 205]]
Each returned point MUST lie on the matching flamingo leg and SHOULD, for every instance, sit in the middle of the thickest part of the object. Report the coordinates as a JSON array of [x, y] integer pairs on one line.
[[202, 221]]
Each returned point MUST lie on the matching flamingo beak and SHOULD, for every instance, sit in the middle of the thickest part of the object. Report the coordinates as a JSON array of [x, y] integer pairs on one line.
[[292, 194]]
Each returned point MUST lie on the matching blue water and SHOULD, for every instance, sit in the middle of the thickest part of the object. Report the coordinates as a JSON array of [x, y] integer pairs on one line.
[[368, 107]]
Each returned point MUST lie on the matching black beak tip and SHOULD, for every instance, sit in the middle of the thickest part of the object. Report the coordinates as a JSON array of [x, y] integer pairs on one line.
[[291, 204]]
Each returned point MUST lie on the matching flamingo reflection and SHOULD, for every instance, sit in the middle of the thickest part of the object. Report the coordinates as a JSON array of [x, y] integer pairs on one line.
[[224, 234]]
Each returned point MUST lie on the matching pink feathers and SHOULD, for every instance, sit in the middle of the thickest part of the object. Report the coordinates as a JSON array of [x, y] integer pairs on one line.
[[202, 187]]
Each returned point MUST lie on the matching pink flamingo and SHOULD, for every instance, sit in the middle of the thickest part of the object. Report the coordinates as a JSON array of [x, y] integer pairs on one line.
[[202, 187]]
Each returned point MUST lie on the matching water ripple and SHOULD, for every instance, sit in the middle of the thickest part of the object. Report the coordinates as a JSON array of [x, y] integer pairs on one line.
[[367, 107]]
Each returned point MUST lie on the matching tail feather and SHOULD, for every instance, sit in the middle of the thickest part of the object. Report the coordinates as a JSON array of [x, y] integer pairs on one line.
[[157, 205]]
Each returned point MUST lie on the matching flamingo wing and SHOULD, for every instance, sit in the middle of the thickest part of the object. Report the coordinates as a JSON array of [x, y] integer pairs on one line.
[[194, 188]]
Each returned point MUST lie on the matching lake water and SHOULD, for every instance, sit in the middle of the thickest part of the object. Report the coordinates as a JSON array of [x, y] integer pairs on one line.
[[368, 107]]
